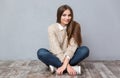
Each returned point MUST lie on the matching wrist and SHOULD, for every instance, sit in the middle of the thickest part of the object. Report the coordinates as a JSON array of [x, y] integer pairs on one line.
[[67, 56], [64, 65], [68, 66]]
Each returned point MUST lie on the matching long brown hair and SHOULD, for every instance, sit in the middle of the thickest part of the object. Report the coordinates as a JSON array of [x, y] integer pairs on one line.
[[73, 28]]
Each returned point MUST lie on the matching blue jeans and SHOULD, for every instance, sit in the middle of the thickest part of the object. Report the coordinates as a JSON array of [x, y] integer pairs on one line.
[[49, 59]]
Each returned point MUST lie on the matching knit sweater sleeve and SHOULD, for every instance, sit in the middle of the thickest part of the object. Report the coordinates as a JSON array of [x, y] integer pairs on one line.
[[53, 40], [71, 48]]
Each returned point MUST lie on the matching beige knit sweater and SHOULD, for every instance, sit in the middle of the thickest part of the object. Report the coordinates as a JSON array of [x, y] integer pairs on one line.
[[58, 42]]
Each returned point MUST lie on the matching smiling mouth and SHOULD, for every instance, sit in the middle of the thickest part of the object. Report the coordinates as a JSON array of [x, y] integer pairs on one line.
[[67, 20]]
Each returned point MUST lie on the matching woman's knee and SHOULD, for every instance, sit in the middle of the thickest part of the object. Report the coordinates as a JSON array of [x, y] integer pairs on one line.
[[84, 50], [41, 52]]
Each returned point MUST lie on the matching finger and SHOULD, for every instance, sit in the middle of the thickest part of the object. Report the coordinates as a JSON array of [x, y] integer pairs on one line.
[[61, 72], [58, 72], [74, 73], [70, 73]]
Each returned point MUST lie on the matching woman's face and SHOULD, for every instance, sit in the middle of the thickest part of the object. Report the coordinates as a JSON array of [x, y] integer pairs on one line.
[[66, 17]]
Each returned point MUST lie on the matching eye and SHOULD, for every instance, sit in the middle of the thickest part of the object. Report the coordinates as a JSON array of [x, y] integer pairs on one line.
[[64, 15], [69, 15]]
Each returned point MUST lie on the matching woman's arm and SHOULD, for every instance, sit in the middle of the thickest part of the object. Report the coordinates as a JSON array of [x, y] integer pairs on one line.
[[69, 54], [64, 66], [54, 43], [53, 40], [71, 48], [70, 70]]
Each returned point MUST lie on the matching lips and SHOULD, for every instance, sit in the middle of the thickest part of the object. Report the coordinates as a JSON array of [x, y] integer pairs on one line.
[[67, 20]]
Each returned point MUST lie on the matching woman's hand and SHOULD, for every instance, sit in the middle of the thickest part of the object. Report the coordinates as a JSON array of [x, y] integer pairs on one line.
[[63, 67], [60, 70], [71, 71]]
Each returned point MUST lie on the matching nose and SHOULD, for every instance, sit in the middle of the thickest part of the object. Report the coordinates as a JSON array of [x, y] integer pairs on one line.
[[67, 17]]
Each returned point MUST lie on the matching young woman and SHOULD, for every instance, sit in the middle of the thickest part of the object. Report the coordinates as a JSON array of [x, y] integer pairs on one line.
[[65, 43]]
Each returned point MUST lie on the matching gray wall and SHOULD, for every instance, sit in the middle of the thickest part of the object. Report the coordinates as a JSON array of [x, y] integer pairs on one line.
[[24, 23]]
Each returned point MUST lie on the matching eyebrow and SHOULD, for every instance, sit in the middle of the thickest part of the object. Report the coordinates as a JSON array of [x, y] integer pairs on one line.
[[66, 14]]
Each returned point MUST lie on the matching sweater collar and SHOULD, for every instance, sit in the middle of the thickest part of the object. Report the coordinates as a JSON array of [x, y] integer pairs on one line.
[[61, 27]]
